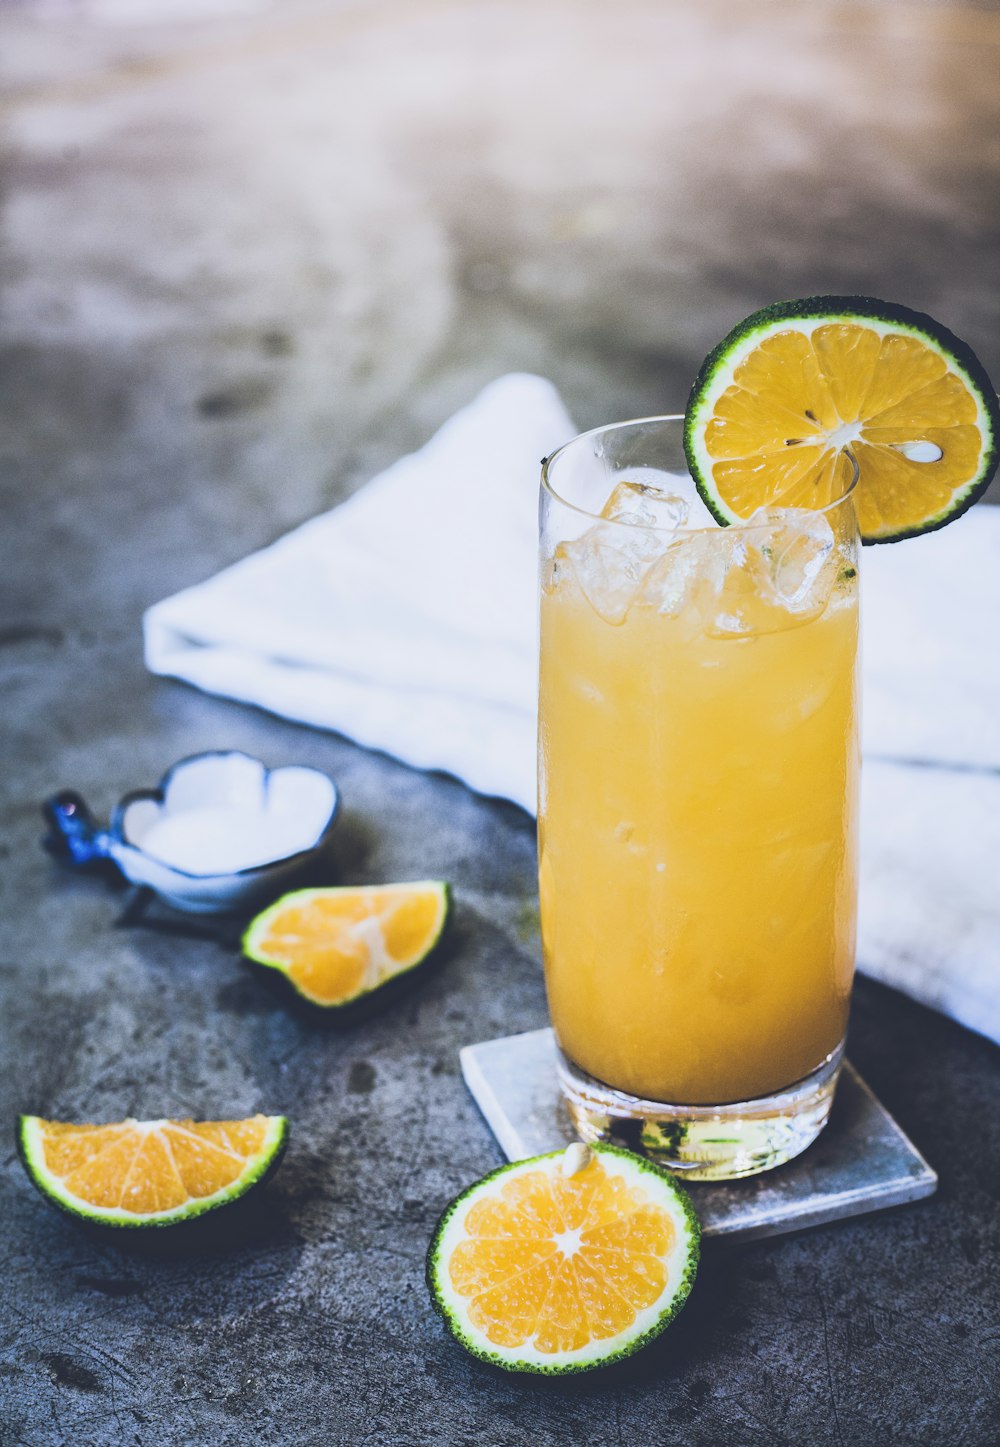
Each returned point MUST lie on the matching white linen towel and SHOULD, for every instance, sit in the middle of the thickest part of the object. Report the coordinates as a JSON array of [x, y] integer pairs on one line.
[[405, 618]]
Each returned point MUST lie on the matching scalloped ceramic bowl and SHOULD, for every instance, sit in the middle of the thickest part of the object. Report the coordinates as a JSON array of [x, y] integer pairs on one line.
[[217, 833]]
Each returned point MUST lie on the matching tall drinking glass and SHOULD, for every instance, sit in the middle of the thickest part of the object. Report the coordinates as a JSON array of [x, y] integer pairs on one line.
[[698, 783]]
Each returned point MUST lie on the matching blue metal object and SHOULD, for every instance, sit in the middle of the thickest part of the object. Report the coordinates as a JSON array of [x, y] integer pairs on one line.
[[74, 834]]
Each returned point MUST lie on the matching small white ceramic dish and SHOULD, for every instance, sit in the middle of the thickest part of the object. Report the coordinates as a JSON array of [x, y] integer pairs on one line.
[[218, 832]]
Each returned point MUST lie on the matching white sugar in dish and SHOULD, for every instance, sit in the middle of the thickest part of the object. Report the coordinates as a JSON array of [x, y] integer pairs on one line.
[[223, 838]]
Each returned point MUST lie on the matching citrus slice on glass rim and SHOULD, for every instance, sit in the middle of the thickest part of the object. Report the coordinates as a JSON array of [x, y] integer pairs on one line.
[[339, 943], [151, 1173], [795, 391], [564, 1262]]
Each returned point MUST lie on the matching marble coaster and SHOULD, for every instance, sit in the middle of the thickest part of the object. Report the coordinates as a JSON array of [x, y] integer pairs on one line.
[[861, 1162]]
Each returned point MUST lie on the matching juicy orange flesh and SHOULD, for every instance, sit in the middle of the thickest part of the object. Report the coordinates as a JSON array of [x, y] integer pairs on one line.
[[770, 442], [144, 1168], [562, 1261], [336, 945]]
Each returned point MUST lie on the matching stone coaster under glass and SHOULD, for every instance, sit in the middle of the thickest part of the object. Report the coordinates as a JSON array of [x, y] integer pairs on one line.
[[861, 1162]]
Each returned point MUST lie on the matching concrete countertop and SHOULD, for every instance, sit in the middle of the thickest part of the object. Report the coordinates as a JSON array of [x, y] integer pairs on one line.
[[248, 261]]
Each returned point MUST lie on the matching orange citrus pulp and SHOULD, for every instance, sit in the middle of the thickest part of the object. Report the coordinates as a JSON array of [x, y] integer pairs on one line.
[[336, 944], [146, 1168], [562, 1261]]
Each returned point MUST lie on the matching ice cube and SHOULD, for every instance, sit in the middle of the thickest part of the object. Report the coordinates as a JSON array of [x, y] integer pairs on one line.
[[688, 564], [777, 574], [556, 570], [609, 563], [798, 549], [682, 485], [644, 505], [738, 603]]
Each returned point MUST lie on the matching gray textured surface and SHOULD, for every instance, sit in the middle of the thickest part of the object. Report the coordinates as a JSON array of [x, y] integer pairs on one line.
[[245, 263], [862, 1162]]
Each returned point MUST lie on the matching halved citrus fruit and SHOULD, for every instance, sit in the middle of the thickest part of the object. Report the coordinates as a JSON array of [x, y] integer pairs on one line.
[[793, 389], [564, 1262], [338, 944], [149, 1172]]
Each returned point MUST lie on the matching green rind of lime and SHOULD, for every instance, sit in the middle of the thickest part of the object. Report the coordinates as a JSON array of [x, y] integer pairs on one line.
[[260, 924], [259, 1169], [717, 370], [650, 1324]]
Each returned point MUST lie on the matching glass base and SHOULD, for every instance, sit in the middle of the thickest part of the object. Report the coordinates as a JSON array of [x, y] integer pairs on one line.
[[705, 1142]]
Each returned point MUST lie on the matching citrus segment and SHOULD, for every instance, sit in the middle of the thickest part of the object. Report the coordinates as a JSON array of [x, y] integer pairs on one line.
[[337, 944], [155, 1173], [797, 390], [540, 1267]]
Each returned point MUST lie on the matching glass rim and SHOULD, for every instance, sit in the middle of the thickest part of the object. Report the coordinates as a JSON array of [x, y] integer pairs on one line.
[[739, 527]]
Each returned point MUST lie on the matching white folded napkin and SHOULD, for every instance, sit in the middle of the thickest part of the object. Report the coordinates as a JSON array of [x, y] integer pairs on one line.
[[405, 618]]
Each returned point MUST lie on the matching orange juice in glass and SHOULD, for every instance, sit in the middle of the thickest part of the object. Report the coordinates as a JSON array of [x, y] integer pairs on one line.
[[698, 782]]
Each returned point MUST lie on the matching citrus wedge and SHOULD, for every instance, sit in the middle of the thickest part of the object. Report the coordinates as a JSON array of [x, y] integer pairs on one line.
[[149, 1172], [793, 389], [335, 945], [564, 1262]]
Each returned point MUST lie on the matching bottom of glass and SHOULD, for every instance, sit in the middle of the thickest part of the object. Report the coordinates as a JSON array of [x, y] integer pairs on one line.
[[705, 1142]]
